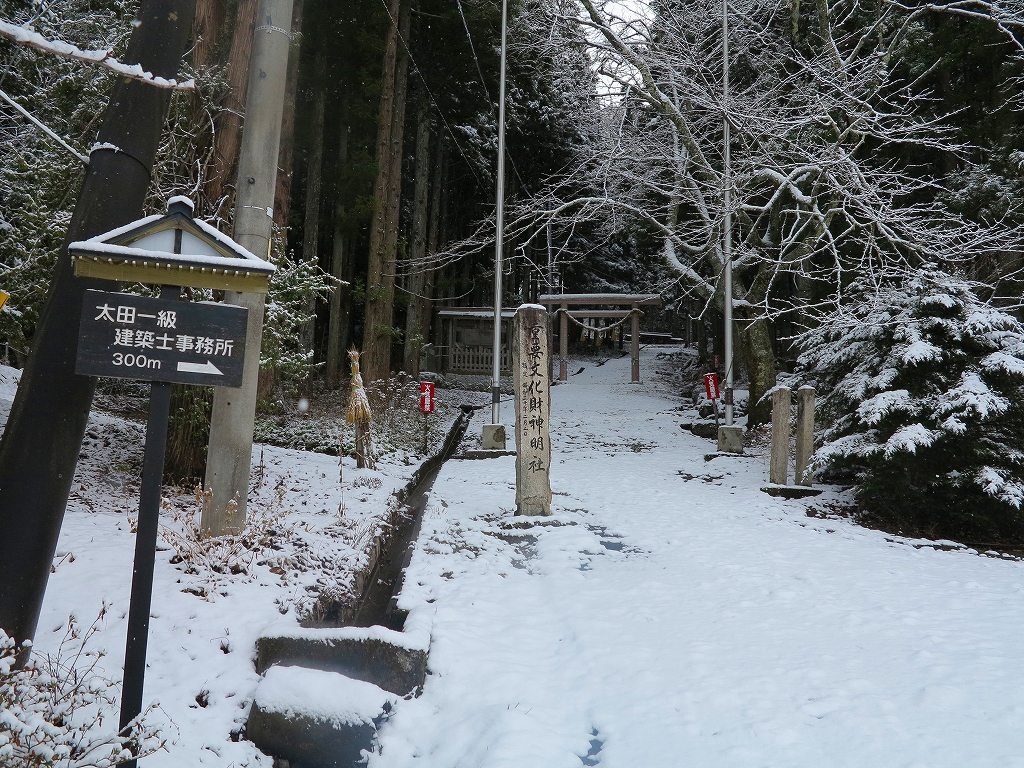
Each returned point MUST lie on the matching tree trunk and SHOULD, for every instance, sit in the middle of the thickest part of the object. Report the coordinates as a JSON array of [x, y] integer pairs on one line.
[[380, 278], [47, 421], [756, 339], [314, 174], [341, 297], [285, 162], [416, 273], [228, 124], [434, 236], [205, 31]]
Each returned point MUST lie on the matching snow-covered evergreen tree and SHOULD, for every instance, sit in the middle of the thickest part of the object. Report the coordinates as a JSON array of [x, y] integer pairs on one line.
[[923, 398]]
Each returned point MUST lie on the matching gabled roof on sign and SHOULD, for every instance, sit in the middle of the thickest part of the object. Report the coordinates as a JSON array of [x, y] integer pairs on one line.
[[144, 250], [122, 239]]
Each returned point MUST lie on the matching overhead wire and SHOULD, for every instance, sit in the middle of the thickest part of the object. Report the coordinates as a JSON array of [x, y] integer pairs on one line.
[[487, 93], [430, 95]]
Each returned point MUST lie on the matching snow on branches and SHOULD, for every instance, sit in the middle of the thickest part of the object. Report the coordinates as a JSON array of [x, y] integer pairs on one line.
[[923, 396], [54, 710], [103, 58], [828, 126]]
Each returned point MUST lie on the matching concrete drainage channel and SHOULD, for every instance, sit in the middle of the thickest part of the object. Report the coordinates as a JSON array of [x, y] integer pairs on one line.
[[325, 691]]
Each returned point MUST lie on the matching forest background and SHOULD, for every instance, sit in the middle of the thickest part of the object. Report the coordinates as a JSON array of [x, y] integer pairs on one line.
[[874, 144]]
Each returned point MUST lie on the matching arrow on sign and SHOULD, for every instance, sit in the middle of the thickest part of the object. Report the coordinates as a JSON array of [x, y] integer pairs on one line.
[[206, 367]]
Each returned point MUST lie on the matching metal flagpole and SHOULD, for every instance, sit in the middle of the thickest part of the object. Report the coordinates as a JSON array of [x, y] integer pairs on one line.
[[499, 231], [727, 224]]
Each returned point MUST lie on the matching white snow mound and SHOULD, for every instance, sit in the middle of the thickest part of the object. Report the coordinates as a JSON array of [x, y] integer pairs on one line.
[[324, 696]]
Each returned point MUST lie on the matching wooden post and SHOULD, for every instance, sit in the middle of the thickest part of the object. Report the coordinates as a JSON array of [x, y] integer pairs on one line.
[[531, 345], [804, 434], [778, 471], [563, 344], [634, 330]]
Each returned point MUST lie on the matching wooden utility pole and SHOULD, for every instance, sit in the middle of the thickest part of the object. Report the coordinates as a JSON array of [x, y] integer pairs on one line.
[[230, 453], [47, 423]]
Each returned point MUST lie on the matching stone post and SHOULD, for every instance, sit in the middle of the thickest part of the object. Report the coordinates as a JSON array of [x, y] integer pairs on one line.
[[634, 331], [531, 351], [563, 344], [804, 434], [778, 469]]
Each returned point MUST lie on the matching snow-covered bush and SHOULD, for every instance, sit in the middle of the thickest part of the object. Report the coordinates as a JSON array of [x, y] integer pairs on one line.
[[218, 559], [60, 711], [923, 401], [288, 311]]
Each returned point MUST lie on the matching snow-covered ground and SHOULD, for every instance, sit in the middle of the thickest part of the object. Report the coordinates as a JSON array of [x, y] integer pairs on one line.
[[672, 614], [309, 537], [669, 614]]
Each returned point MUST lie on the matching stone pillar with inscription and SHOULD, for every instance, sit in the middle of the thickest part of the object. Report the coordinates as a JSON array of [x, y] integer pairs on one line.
[[531, 355]]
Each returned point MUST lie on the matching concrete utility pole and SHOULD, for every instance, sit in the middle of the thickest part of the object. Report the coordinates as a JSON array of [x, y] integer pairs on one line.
[[229, 456], [47, 422]]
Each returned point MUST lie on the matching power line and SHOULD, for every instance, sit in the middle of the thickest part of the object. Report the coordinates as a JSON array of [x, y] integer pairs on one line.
[[430, 95]]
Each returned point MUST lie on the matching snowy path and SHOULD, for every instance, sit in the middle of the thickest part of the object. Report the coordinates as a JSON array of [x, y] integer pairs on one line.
[[730, 629]]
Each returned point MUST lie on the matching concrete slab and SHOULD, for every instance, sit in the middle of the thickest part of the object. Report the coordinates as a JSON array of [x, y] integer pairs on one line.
[[493, 437], [375, 655], [730, 439], [316, 719]]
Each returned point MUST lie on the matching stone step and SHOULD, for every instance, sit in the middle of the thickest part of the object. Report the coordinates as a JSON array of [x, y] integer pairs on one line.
[[316, 719], [393, 661]]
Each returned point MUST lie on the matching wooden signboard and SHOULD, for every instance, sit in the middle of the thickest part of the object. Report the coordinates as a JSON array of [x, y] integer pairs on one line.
[[125, 336]]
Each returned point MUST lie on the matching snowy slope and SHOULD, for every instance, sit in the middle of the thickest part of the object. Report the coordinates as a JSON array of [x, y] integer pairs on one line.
[[672, 614], [205, 623]]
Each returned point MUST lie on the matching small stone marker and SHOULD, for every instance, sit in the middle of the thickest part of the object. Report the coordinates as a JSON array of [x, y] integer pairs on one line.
[[778, 469], [804, 434], [531, 354]]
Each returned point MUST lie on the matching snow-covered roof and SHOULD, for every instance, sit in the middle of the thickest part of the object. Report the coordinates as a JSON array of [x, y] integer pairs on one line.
[[480, 312], [174, 249]]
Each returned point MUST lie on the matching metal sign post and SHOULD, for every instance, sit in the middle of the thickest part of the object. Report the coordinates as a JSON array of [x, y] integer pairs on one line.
[[427, 404], [713, 392], [164, 341]]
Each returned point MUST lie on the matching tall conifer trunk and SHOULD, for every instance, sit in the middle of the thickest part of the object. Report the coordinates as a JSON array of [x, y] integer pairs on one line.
[[380, 278], [416, 273], [341, 298], [283, 192], [228, 124], [314, 174]]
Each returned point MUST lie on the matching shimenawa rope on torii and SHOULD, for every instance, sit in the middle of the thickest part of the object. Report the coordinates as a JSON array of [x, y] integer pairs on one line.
[[595, 329]]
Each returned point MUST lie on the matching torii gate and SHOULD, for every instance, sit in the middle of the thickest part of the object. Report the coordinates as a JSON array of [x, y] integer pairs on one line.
[[565, 300]]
